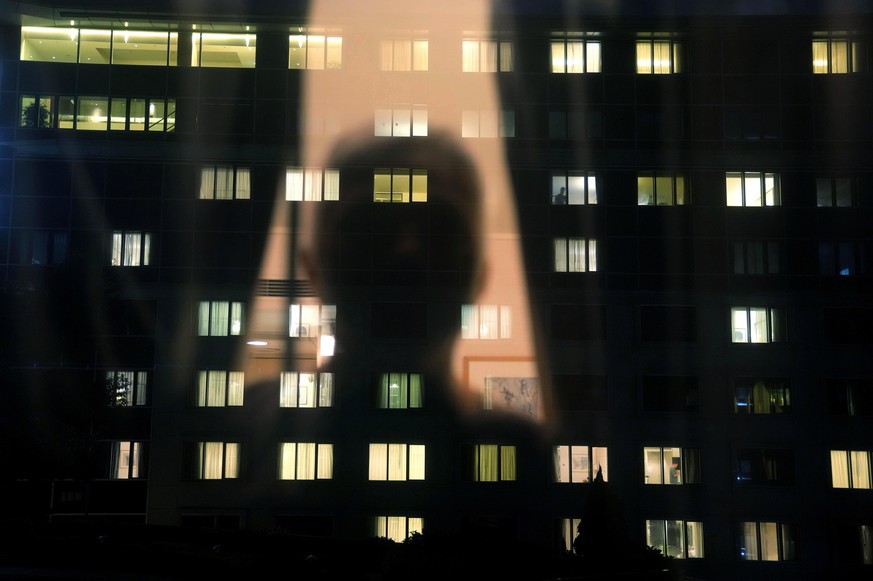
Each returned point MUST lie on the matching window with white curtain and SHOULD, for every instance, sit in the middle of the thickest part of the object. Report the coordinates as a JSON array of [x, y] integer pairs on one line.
[[487, 56], [767, 541], [396, 461], [127, 387], [575, 254], [217, 388], [299, 389], [662, 56], [752, 189], [219, 318], [580, 463], [216, 460], [401, 121], [762, 396], [486, 322], [837, 55], [315, 51], [225, 182], [667, 465], [400, 391], [127, 460], [305, 461], [494, 463], [131, 248], [678, 539], [662, 189], [399, 185], [575, 55], [314, 322], [758, 325], [835, 192], [574, 188], [403, 54], [397, 528], [311, 184], [850, 469], [487, 123], [569, 530]]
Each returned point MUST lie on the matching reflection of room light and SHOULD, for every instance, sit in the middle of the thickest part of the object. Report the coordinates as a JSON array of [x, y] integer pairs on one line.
[[247, 40], [125, 38], [151, 108], [819, 63], [95, 115], [257, 343], [235, 328], [327, 344]]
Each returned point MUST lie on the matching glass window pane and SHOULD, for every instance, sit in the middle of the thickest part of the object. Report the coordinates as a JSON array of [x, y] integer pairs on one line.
[[94, 46], [130, 47], [59, 45], [92, 114]]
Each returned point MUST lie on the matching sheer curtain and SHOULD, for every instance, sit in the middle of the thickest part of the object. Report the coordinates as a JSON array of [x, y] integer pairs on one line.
[[592, 57], [235, 388], [575, 57], [749, 541], [486, 462], [224, 183], [470, 59], [288, 461], [397, 462], [507, 463], [231, 460], [416, 462], [243, 183], [211, 455], [420, 55], [860, 460], [507, 60], [325, 461], [378, 462], [305, 461]]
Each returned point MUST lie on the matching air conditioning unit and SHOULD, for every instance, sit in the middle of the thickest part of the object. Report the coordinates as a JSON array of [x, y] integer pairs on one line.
[[739, 337], [302, 331]]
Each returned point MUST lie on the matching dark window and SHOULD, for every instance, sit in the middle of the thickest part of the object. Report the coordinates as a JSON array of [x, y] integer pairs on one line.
[[399, 320], [849, 396], [848, 325], [581, 392], [765, 466], [579, 322], [661, 393], [668, 323]]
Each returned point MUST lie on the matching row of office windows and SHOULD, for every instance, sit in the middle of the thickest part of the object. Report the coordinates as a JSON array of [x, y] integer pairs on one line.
[[323, 50], [571, 464], [98, 113], [404, 390]]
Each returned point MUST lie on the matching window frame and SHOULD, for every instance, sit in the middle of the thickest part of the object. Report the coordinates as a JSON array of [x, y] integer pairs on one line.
[[757, 257], [414, 190], [235, 319], [575, 255], [686, 529], [402, 120], [779, 531], [228, 464], [314, 184], [312, 61], [503, 52], [402, 462], [853, 57], [472, 315], [127, 460], [575, 196], [409, 391], [219, 388], [565, 463], [232, 182], [650, 65], [688, 470], [775, 326], [767, 397], [589, 49], [764, 199], [677, 181], [137, 391], [505, 468], [123, 255], [856, 472], [418, 54], [382, 527], [321, 390], [290, 464]]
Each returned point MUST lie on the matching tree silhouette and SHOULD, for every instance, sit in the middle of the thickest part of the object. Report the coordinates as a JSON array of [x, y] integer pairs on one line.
[[35, 115]]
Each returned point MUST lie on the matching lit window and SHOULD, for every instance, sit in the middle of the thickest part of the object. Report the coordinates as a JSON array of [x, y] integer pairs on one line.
[[305, 390], [767, 541], [575, 254], [834, 192], [314, 322], [757, 257], [401, 121], [216, 460], [575, 56], [126, 388], [39, 247], [225, 183], [54, 45], [476, 123], [92, 113], [843, 258], [397, 528], [574, 188], [144, 47], [850, 469], [400, 391], [37, 111], [493, 463], [762, 396], [580, 464], [836, 55], [404, 55], [219, 318], [659, 57], [131, 248], [769, 467], [399, 185], [305, 461], [661, 189], [569, 532], [752, 188], [220, 388], [757, 325], [671, 465], [311, 185], [487, 56], [678, 539], [236, 51], [141, 114], [126, 461], [486, 321], [396, 462], [66, 112], [315, 51], [850, 396]]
